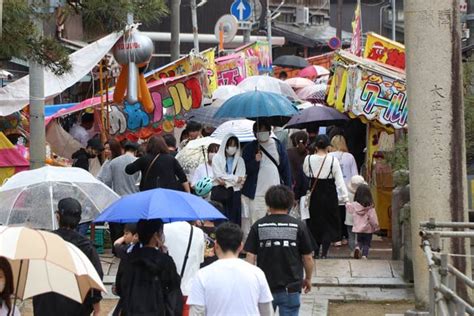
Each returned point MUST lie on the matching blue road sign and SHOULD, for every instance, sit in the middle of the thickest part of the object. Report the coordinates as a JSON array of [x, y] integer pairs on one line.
[[241, 9]]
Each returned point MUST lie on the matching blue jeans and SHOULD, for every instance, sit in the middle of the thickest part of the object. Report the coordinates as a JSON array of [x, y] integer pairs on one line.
[[288, 303], [364, 240], [352, 238]]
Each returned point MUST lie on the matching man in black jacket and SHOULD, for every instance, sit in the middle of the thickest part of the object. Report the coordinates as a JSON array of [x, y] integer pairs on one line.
[[68, 216], [147, 281], [82, 156]]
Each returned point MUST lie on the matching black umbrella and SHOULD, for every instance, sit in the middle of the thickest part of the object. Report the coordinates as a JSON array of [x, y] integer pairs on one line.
[[318, 114], [291, 61]]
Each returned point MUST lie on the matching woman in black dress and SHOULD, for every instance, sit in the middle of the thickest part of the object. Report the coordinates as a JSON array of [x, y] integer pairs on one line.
[[159, 168], [326, 181]]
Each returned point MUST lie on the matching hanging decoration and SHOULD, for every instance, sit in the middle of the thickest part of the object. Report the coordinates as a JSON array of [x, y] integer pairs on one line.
[[133, 51]]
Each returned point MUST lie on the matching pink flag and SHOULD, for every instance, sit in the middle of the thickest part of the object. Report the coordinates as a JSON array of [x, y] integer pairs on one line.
[[356, 41]]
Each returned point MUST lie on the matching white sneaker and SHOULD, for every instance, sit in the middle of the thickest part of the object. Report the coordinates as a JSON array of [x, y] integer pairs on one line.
[[364, 257]]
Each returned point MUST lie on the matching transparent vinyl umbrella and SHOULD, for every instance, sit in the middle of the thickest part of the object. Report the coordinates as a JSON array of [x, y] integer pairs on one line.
[[31, 197]]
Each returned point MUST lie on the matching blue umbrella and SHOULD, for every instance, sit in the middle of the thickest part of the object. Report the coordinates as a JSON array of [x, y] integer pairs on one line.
[[164, 204], [258, 104]]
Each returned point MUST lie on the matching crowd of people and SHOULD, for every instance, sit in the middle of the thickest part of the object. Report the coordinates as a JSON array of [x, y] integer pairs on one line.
[[262, 254]]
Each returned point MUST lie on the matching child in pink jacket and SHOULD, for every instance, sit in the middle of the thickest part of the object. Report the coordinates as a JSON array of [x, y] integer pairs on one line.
[[365, 219]]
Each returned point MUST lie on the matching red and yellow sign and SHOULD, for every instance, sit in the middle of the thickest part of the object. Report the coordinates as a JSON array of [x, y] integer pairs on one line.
[[385, 51]]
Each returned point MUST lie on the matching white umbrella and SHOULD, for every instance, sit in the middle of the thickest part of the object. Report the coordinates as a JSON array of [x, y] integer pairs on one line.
[[194, 153], [268, 84], [226, 92], [43, 262], [242, 129], [31, 197], [298, 82]]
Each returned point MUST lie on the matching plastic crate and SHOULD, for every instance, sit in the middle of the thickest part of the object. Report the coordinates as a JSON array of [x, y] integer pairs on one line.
[[98, 239]]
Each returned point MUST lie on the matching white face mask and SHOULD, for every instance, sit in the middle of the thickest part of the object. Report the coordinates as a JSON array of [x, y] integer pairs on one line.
[[2, 285], [211, 156], [231, 150], [263, 136]]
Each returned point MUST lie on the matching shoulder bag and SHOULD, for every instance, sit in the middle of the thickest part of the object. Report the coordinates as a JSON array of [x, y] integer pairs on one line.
[[149, 168], [309, 192], [272, 159]]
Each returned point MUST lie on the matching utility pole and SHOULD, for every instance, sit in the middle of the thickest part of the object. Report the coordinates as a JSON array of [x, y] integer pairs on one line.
[[436, 134], [1, 17], [339, 20], [394, 20], [37, 128], [175, 20], [195, 25]]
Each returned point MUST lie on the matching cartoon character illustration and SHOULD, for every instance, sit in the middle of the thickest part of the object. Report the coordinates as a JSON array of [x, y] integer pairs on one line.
[[396, 58], [118, 121], [400, 86], [136, 117], [377, 52], [376, 79]]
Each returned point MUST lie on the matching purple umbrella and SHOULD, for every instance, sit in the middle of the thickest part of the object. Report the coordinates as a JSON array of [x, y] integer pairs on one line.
[[317, 115]]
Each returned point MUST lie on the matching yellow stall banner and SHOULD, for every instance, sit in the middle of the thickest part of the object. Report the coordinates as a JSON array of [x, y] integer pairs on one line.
[[384, 50]]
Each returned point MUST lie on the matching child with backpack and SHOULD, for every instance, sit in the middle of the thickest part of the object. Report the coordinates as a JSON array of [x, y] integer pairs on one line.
[[365, 221]]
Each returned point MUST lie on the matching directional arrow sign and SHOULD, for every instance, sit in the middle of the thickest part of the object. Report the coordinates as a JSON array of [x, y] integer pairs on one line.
[[241, 9]]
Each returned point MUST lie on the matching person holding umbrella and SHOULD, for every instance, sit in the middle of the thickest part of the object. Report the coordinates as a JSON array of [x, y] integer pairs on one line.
[[6, 289], [266, 163], [68, 216]]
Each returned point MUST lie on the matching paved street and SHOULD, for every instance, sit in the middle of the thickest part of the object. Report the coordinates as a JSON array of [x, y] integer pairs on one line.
[[334, 280]]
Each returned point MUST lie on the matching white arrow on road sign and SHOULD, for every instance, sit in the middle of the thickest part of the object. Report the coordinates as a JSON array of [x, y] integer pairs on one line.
[[241, 9]]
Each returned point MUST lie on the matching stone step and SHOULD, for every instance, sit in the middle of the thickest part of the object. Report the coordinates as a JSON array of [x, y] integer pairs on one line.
[[361, 282]]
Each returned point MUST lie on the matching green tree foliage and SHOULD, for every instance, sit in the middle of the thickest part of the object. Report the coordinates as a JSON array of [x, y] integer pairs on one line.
[[105, 16], [20, 38], [468, 71]]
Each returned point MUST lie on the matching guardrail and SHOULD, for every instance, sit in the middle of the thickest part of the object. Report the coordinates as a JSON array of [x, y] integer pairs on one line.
[[444, 301]]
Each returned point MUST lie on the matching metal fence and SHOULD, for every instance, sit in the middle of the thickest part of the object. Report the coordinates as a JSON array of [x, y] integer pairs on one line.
[[444, 300]]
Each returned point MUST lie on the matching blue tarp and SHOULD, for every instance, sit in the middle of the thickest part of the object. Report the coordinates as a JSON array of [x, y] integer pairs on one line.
[[51, 109]]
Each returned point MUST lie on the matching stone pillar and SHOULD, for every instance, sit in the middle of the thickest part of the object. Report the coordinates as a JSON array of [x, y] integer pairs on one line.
[[436, 128]]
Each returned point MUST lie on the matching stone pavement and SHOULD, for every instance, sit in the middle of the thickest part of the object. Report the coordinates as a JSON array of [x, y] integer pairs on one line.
[[354, 280], [333, 280]]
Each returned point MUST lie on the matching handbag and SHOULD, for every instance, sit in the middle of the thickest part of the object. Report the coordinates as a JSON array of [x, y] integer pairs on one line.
[[220, 193], [309, 192]]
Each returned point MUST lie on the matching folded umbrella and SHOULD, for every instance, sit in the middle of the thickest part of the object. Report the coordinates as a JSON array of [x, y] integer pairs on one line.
[[43, 262], [290, 61], [164, 204], [317, 115], [254, 105]]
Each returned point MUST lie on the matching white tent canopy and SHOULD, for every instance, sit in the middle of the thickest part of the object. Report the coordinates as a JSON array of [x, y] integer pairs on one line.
[[16, 95]]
